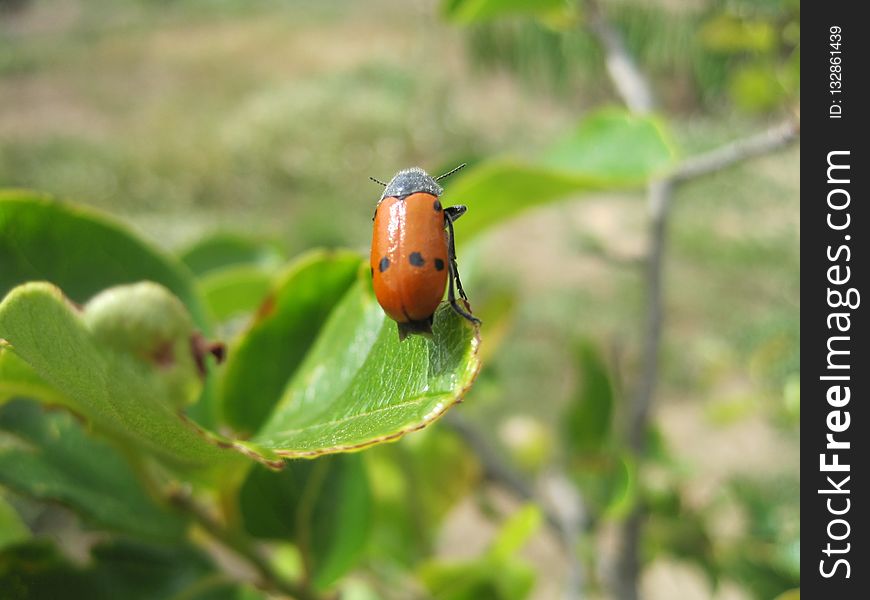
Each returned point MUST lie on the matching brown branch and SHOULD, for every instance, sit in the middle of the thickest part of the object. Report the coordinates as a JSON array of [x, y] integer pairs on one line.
[[634, 89], [768, 141], [629, 81]]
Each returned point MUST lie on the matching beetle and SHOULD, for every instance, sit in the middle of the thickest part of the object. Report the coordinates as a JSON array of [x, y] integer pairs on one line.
[[413, 256]]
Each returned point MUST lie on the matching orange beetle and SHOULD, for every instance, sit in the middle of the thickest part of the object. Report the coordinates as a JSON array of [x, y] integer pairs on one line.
[[413, 254]]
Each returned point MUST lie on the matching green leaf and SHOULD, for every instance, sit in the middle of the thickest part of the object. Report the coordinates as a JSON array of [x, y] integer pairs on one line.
[[323, 506], [359, 385], [791, 396], [471, 11], [609, 150], [516, 532], [42, 239], [588, 421], [623, 488], [500, 189], [686, 536], [728, 34], [609, 483], [221, 250], [287, 323], [83, 252], [12, 528], [133, 571], [415, 483], [476, 580], [497, 575], [18, 379], [234, 290], [756, 87], [48, 456], [108, 388], [614, 148]]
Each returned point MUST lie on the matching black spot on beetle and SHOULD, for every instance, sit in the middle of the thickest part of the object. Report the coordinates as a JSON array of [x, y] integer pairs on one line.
[[439, 264], [437, 205], [372, 269], [416, 259], [384, 264]]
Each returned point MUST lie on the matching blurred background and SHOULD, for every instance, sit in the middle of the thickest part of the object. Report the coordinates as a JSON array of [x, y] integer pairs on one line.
[[262, 121]]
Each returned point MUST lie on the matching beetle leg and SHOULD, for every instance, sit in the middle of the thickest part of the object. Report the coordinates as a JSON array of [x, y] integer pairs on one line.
[[452, 213], [454, 270]]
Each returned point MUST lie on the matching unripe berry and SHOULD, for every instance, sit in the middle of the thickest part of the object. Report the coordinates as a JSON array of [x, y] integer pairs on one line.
[[148, 323]]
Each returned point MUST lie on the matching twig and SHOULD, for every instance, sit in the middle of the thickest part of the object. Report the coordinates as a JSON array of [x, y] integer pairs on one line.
[[660, 194], [767, 141], [630, 82], [242, 546], [634, 89], [496, 470]]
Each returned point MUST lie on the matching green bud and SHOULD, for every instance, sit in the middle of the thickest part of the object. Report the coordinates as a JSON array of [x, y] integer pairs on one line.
[[147, 322]]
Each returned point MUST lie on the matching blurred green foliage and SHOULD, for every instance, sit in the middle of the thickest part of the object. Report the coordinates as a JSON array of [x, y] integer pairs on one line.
[[239, 136], [323, 507], [744, 52]]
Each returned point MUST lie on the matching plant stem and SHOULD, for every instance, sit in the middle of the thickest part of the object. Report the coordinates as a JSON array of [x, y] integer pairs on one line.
[[630, 82], [766, 142]]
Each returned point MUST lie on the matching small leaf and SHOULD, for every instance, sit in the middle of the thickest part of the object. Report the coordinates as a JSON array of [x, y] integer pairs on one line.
[[359, 385], [588, 421], [609, 150], [500, 189], [48, 456], [323, 506], [497, 574], [516, 532], [234, 290], [42, 239], [791, 397], [472, 11], [476, 580], [415, 484], [608, 482], [756, 87], [108, 388], [623, 488], [729, 34], [288, 321], [614, 148], [222, 250], [12, 528], [17, 378]]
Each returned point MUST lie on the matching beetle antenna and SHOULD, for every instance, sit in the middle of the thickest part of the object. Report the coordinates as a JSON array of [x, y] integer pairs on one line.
[[450, 172], [378, 181]]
